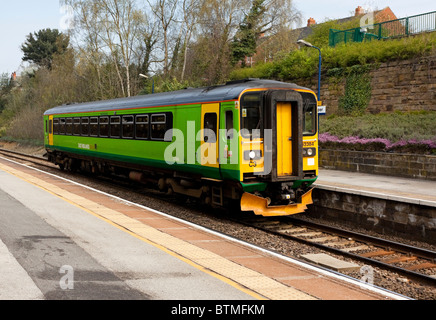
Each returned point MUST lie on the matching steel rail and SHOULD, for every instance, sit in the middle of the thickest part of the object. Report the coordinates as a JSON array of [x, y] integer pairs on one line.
[[368, 240]]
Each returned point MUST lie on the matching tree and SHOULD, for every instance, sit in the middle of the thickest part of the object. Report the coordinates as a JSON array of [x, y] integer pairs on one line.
[[6, 85], [218, 22], [244, 42], [165, 12], [41, 46], [272, 18], [116, 38]]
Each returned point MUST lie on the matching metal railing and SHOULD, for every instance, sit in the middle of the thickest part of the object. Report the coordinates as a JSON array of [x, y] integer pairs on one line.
[[386, 30]]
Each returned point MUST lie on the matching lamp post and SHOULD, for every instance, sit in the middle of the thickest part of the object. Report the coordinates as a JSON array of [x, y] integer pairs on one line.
[[146, 77], [307, 44]]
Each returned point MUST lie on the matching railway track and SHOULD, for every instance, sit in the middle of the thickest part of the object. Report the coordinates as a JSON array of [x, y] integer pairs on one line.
[[27, 158], [409, 261]]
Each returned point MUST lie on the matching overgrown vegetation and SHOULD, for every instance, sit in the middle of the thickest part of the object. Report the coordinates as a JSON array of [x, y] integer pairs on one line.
[[303, 63], [357, 91]]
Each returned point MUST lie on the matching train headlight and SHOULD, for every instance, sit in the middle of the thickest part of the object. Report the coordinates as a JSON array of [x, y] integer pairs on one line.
[[253, 155], [309, 152]]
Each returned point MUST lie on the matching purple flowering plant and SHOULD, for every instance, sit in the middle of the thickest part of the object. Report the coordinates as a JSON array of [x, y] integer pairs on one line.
[[377, 144]]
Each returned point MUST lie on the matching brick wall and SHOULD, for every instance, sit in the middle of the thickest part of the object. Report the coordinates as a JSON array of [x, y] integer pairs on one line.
[[408, 85], [392, 164]]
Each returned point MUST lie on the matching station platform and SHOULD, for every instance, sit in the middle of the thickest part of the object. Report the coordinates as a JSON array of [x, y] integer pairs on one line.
[[63, 240], [406, 190]]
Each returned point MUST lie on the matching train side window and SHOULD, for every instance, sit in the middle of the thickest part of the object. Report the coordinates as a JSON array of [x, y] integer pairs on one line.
[[76, 126], [128, 127], [141, 126], [158, 126], [210, 127], [62, 126], [93, 126], [115, 127], [104, 126], [229, 124], [56, 126], [85, 126], [69, 126]]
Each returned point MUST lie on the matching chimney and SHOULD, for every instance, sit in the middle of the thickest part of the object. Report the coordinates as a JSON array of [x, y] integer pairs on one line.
[[311, 22], [359, 11]]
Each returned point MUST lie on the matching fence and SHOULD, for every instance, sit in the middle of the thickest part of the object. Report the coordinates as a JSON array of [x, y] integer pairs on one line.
[[386, 30]]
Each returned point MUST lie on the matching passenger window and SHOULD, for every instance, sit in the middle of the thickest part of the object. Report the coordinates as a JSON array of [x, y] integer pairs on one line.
[[104, 126], [93, 127], [229, 124], [210, 127], [142, 127], [62, 126], [158, 126], [84, 126], [127, 126], [76, 126], [56, 126], [115, 127], [69, 128]]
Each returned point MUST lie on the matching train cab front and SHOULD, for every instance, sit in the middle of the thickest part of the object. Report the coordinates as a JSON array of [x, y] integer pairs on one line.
[[279, 150]]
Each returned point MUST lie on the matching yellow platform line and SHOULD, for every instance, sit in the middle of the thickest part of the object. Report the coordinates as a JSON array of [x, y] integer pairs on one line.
[[247, 280]]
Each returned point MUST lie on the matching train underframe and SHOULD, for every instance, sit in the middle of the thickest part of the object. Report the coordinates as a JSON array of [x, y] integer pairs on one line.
[[278, 199]]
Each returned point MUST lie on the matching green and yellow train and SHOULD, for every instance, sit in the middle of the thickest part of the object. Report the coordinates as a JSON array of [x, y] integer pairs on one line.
[[253, 143]]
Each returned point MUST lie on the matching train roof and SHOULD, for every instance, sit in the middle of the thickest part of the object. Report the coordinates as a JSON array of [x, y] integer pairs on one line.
[[229, 91]]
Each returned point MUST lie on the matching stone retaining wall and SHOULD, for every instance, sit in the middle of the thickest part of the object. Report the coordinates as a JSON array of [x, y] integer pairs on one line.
[[406, 85], [391, 164], [408, 220]]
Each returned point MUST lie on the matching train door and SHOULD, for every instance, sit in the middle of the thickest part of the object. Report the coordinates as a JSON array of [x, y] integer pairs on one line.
[[284, 139], [210, 135], [50, 130], [228, 142]]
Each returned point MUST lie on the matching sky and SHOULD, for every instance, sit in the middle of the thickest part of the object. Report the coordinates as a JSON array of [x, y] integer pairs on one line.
[[18, 18]]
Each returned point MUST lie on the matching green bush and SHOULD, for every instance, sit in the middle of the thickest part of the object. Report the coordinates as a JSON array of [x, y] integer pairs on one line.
[[303, 63]]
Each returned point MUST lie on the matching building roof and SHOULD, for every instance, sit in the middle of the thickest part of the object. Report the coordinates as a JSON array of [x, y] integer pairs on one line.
[[383, 15]]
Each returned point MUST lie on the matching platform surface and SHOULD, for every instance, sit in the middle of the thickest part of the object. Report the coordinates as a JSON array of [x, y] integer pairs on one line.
[[416, 191], [55, 233]]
